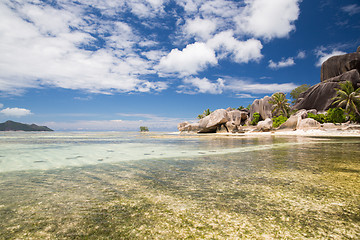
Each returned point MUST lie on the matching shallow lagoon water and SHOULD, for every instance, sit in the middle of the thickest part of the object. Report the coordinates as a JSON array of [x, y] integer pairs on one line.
[[161, 186]]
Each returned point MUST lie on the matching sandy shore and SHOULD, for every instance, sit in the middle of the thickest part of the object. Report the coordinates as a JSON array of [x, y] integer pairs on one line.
[[306, 133]]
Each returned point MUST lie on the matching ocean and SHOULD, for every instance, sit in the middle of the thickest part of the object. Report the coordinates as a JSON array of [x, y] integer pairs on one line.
[[130, 185]]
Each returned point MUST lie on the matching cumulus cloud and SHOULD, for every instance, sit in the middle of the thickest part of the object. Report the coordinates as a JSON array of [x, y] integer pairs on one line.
[[301, 55], [244, 95], [200, 28], [192, 59], [238, 85], [66, 44], [1, 105], [202, 85], [351, 9], [268, 19], [38, 52], [242, 88], [15, 112], [240, 51], [281, 64], [323, 55]]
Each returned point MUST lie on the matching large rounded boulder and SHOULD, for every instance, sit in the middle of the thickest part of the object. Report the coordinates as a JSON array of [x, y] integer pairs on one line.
[[263, 107], [338, 65], [210, 123]]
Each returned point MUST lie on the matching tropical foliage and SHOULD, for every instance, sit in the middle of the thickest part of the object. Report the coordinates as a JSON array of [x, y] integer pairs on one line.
[[144, 129], [280, 104], [256, 119], [240, 108], [294, 94], [348, 98], [277, 121], [321, 118], [205, 113], [333, 115]]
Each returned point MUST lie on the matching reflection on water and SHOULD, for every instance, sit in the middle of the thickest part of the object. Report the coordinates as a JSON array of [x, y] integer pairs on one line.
[[212, 188]]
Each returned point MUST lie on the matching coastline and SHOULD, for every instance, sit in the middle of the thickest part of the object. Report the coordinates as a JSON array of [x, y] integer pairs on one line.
[[302, 133]]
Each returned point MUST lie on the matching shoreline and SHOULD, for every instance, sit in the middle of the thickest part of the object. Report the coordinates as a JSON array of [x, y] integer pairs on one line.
[[302, 133]]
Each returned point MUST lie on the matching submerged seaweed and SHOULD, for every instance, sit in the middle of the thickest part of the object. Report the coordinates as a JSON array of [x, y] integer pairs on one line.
[[296, 191]]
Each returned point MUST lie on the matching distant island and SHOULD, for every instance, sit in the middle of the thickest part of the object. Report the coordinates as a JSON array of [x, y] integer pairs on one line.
[[16, 126]]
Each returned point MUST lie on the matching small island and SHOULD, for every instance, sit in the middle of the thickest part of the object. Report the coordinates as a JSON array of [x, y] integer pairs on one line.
[[16, 126]]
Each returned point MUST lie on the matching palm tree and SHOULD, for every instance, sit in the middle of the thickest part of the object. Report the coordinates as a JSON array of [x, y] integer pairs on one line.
[[205, 113], [280, 103], [348, 97]]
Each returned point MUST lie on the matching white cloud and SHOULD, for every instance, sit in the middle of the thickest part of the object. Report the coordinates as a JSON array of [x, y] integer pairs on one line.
[[63, 44], [244, 95], [192, 59], [200, 28], [202, 85], [351, 9], [43, 46], [240, 51], [238, 85], [281, 64], [242, 88], [323, 56], [15, 112], [154, 55], [301, 55], [268, 19], [1, 105]]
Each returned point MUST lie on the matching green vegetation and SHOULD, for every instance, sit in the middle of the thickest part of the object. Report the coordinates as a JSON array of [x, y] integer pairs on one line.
[[16, 126], [280, 104], [336, 115], [321, 118], [348, 98], [277, 121], [333, 115], [206, 112], [256, 119], [244, 108], [144, 129], [297, 91], [240, 108]]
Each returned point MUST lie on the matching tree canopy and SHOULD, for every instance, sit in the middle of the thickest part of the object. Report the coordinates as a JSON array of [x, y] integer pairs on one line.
[[348, 98], [294, 94]]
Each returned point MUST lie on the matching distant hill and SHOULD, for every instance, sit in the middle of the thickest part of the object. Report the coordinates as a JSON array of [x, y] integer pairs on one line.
[[16, 126]]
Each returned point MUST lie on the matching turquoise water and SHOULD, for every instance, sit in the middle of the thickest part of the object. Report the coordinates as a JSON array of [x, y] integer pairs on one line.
[[163, 186]]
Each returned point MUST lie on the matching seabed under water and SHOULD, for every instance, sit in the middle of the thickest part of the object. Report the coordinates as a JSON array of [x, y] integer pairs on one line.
[[227, 188]]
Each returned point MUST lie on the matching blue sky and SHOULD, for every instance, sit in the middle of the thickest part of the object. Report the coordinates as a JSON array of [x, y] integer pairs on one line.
[[117, 65]]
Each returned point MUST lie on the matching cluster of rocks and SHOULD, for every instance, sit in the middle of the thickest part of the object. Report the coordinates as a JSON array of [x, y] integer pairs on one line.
[[316, 99], [335, 70], [221, 120]]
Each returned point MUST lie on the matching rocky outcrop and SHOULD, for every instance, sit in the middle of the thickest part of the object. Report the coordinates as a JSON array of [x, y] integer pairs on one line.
[[219, 121], [238, 117], [188, 127], [210, 123], [335, 70], [338, 65], [308, 124], [319, 97], [265, 125], [261, 106], [293, 123]]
